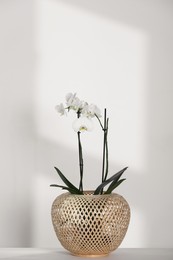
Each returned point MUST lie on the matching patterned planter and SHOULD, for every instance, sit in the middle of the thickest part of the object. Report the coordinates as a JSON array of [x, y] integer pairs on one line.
[[90, 225]]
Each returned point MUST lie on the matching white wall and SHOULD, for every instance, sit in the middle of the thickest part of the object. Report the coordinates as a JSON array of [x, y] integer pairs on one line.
[[117, 54], [17, 125]]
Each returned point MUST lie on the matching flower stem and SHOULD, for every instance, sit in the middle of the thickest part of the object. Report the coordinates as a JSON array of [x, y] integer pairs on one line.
[[80, 159], [80, 163], [100, 122], [105, 149], [104, 127]]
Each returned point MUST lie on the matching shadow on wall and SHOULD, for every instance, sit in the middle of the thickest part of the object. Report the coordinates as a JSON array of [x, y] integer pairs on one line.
[[155, 18]]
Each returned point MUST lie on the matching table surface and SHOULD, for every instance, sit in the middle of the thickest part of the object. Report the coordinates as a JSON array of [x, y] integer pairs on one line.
[[60, 254]]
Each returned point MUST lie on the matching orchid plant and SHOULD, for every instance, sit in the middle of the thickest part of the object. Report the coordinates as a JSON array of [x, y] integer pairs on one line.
[[85, 113]]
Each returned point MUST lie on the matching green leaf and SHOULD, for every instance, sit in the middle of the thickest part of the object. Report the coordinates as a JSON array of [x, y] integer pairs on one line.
[[67, 182], [114, 178], [65, 188], [113, 186]]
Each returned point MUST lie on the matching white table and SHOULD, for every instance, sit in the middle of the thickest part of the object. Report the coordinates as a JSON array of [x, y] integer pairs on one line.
[[60, 254]]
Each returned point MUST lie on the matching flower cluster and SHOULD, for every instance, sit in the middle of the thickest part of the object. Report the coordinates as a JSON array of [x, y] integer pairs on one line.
[[79, 106], [85, 112]]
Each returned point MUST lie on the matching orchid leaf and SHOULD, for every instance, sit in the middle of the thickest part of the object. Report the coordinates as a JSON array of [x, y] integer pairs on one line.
[[113, 186], [64, 188], [67, 182], [114, 178]]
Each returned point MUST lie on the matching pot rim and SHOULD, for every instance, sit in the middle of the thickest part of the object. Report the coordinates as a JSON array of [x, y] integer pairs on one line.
[[89, 193]]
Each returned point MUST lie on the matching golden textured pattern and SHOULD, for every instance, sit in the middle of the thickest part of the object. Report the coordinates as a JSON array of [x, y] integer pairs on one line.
[[90, 225]]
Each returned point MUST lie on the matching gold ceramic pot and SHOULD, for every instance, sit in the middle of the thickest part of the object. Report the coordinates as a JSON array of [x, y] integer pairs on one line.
[[90, 225]]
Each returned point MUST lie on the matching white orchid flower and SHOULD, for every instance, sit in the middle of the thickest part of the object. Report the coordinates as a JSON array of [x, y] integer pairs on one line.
[[82, 124], [91, 111], [69, 98], [60, 109], [72, 101], [83, 104]]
